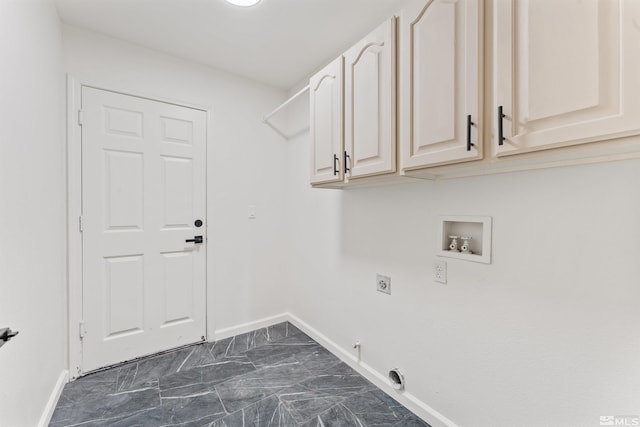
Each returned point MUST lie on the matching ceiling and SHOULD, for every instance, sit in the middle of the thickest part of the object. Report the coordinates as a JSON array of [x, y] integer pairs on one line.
[[277, 42]]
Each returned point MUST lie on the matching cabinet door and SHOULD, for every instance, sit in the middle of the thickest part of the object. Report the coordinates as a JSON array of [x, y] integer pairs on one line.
[[326, 97], [370, 103], [566, 72], [440, 82]]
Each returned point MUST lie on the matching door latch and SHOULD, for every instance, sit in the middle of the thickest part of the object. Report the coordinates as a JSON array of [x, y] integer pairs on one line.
[[6, 334], [196, 239]]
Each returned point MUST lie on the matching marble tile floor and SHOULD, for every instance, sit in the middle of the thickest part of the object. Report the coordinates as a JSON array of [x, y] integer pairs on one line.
[[275, 376]]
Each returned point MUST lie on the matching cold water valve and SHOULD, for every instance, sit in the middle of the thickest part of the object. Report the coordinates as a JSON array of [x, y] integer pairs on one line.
[[453, 246], [466, 245]]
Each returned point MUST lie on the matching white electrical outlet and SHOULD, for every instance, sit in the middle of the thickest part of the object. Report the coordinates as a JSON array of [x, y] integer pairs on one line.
[[383, 284], [440, 272]]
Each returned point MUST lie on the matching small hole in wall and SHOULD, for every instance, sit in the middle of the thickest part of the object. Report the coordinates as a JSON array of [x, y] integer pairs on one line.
[[397, 379]]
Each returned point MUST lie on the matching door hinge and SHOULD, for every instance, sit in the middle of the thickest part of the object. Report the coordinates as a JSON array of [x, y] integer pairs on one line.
[[80, 118], [82, 330], [80, 224]]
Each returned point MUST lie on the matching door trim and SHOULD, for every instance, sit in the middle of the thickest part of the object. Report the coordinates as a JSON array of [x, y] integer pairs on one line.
[[74, 210]]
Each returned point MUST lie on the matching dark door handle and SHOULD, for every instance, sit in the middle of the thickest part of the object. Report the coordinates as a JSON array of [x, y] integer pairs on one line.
[[501, 116], [196, 239], [335, 165], [469, 124], [346, 158]]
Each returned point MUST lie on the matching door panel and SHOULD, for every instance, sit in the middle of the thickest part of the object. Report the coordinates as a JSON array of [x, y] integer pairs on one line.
[[123, 122], [434, 62], [124, 295], [177, 192], [370, 98], [563, 69], [143, 166], [326, 99], [124, 189], [440, 82], [178, 297], [545, 41], [176, 130]]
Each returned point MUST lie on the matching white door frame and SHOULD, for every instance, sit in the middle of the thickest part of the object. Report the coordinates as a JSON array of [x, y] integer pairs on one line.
[[74, 209]]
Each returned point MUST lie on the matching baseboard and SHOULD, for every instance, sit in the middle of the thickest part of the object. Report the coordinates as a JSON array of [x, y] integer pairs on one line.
[[45, 418], [417, 406], [249, 326]]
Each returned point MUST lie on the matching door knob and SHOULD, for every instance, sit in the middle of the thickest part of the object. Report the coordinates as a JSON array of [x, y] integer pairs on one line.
[[196, 239]]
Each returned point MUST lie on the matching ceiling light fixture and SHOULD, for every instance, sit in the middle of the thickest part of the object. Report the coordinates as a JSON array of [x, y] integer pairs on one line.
[[243, 3]]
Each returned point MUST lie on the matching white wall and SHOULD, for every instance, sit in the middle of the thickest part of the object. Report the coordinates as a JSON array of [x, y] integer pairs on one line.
[[545, 335], [32, 196], [245, 165]]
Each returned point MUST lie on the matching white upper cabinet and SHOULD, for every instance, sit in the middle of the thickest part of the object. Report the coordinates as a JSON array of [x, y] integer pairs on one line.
[[370, 104], [440, 82], [565, 72], [326, 98]]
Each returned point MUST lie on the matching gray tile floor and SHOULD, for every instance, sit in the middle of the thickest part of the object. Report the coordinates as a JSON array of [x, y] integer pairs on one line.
[[275, 376]]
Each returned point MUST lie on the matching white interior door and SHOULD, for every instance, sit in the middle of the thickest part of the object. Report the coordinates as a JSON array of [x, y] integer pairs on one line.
[[144, 188]]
